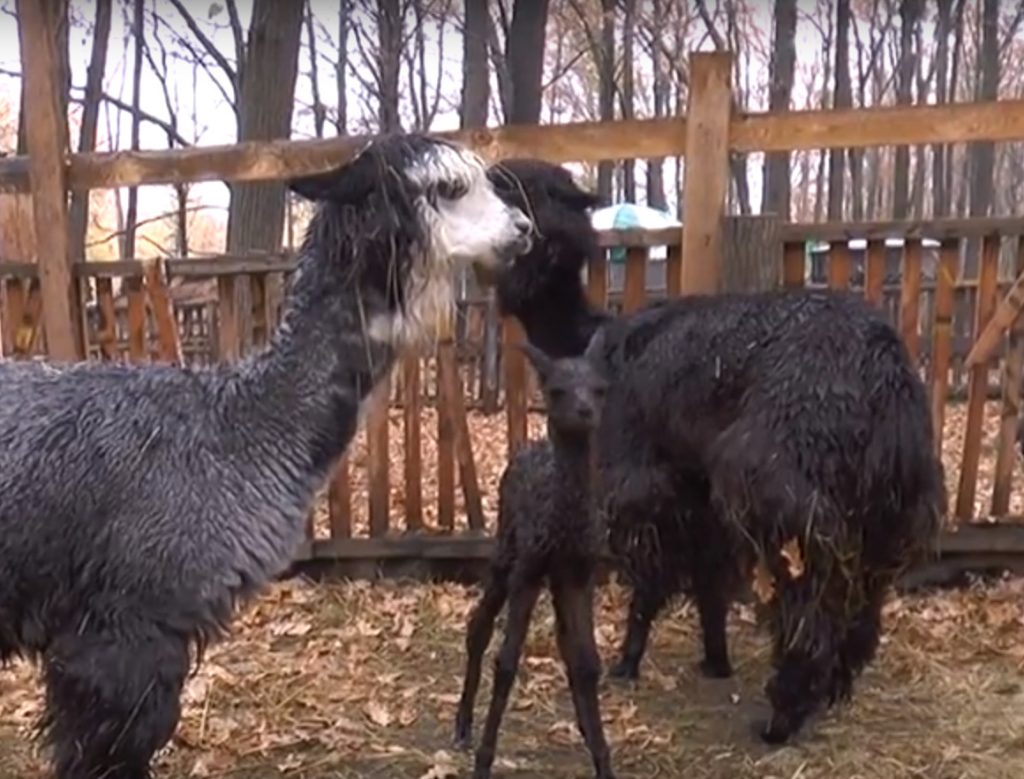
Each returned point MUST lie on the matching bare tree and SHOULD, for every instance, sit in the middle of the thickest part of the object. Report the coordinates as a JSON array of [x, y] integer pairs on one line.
[[910, 18], [783, 63], [843, 99], [476, 82], [138, 33]]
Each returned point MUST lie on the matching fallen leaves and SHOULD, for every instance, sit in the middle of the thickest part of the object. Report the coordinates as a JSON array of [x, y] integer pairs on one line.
[[794, 558]]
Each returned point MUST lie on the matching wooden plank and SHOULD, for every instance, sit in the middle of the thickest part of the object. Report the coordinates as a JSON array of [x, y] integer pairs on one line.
[[977, 386], [635, 286], [163, 313], [574, 142], [874, 272], [1013, 374], [14, 308], [910, 299], [445, 442], [515, 383], [597, 279], [793, 265], [706, 172], [838, 268], [942, 334], [46, 137], [673, 271], [228, 335], [411, 411], [339, 500], [932, 229], [454, 407], [261, 318], [378, 458], [136, 319], [106, 334]]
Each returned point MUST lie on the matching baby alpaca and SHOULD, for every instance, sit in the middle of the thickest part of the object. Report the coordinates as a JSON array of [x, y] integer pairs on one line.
[[547, 529]]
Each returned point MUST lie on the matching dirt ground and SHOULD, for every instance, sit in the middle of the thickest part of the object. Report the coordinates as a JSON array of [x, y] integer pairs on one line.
[[361, 680]]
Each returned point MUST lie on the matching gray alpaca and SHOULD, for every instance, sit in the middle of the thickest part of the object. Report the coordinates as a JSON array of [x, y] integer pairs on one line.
[[548, 528], [139, 505]]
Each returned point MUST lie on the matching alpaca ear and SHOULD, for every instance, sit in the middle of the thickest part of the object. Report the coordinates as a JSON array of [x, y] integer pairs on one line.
[[595, 349], [540, 361], [564, 189], [349, 184]]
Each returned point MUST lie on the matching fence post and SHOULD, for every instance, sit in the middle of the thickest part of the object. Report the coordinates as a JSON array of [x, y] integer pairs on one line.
[[45, 139], [752, 253], [706, 169]]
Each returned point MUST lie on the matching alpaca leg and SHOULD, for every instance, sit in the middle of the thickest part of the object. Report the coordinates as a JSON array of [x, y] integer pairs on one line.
[[649, 597], [574, 620], [713, 608], [522, 597], [111, 702], [478, 636]]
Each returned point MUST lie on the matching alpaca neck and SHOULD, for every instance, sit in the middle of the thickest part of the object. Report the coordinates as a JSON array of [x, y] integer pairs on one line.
[[312, 379], [575, 464], [561, 323]]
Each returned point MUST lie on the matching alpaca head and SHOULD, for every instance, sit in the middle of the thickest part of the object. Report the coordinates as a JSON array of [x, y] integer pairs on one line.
[[399, 221], [574, 388], [551, 271]]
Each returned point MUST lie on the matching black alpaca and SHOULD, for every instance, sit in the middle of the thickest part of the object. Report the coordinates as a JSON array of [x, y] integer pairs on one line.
[[547, 529], [781, 418]]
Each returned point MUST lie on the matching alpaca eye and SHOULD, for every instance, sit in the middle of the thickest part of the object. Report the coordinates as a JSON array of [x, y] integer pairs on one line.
[[451, 190]]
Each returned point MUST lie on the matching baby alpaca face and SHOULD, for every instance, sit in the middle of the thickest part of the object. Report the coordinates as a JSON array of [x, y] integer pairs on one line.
[[574, 388]]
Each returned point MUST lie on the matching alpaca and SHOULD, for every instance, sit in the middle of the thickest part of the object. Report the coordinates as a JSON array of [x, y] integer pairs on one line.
[[793, 425], [547, 528], [139, 505]]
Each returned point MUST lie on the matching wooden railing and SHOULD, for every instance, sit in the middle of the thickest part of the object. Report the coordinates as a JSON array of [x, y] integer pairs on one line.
[[391, 482]]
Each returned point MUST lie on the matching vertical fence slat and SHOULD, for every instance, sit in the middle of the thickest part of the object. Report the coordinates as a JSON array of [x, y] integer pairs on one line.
[[413, 443], [163, 312], [942, 335], [1013, 367], [136, 318], [378, 460], [445, 445], [910, 298], [977, 387], [793, 265], [106, 331], [14, 293], [454, 408], [228, 332], [597, 278], [874, 272], [262, 319], [339, 500], [634, 292], [838, 268], [515, 383], [674, 271]]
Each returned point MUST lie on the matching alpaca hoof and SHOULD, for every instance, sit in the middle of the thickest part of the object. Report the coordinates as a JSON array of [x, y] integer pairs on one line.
[[625, 671], [715, 669], [775, 732]]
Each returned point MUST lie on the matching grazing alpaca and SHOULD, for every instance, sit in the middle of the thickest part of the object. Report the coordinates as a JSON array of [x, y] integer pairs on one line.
[[793, 426], [547, 528], [140, 504]]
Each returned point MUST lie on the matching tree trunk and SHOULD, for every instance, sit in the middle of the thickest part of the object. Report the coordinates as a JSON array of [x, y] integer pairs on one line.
[[389, 39], [628, 35], [132, 218], [525, 54], [776, 167], [910, 16], [476, 82], [59, 9], [983, 153], [656, 167], [341, 67], [266, 100], [940, 197], [606, 91], [843, 99], [78, 211]]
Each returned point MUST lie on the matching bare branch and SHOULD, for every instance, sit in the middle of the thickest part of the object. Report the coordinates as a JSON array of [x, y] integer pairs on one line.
[[210, 46]]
